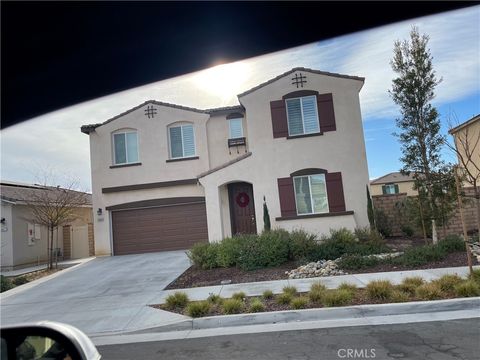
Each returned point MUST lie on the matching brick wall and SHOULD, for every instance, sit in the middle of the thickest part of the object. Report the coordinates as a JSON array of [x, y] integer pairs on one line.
[[389, 204], [67, 244], [91, 240]]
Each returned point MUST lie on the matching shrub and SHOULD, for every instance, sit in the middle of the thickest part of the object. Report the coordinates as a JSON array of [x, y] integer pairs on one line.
[[410, 284], [407, 230], [176, 300], [475, 276], [356, 262], [232, 306], [198, 308], [399, 296], [448, 282], [229, 251], [317, 286], [420, 255], [315, 296], [5, 283], [303, 245], [292, 290], [268, 249], [284, 298], [342, 235], [467, 289], [204, 255], [336, 298], [20, 280], [379, 290], [214, 299], [300, 302], [256, 305], [267, 294], [347, 286], [382, 222], [452, 243], [239, 296], [429, 291], [367, 235]]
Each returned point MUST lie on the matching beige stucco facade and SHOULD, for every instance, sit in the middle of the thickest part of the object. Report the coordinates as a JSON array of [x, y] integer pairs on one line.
[[403, 187], [264, 159]]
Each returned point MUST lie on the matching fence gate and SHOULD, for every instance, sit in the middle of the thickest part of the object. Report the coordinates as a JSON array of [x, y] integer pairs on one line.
[[79, 238]]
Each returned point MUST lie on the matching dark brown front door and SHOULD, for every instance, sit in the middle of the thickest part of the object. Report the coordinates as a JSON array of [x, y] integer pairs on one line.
[[242, 208]]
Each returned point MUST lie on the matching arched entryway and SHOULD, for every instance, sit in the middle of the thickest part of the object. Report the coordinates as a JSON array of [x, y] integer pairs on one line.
[[242, 208]]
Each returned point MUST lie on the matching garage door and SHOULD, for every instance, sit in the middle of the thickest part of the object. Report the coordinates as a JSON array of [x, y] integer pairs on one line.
[[164, 228]]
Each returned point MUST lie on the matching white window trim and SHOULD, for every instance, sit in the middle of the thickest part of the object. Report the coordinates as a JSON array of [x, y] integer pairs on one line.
[[311, 194], [303, 119], [183, 144], [230, 128], [126, 148], [390, 186]]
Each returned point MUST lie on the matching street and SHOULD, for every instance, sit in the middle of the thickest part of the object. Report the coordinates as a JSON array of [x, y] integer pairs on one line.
[[440, 340]]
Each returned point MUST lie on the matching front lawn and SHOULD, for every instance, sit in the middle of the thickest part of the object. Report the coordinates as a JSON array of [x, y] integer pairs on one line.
[[376, 292]]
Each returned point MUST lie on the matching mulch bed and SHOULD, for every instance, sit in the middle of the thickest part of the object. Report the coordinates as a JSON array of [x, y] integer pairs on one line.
[[194, 277]]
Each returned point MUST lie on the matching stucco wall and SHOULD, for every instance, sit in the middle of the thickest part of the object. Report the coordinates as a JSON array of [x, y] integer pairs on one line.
[[6, 236], [469, 135], [403, 187]]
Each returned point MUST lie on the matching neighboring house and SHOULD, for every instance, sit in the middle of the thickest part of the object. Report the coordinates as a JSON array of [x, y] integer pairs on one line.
[[23, 242], [393, 183], [467, 142], [167, 176]]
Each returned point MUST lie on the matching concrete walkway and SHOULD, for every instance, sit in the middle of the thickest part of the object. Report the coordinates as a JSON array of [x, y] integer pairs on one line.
[[61, 265], [302, 285]]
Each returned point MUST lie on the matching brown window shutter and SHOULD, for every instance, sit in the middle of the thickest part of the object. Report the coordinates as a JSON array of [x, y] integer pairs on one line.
[[279, 118], [326, 114], [287, 197], [336, 200]]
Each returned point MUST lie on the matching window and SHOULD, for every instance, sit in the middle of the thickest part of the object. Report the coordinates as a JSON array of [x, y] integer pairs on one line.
[[125, 146], [182, 141], [236, 128], [311, 194], [302, 116], [390, 189]]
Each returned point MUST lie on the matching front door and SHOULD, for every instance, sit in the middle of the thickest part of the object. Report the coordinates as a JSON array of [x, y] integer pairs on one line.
[[242, 208]]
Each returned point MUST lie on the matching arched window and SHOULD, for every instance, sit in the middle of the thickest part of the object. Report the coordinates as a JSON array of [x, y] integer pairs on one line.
[[125, 146], [181, 138]]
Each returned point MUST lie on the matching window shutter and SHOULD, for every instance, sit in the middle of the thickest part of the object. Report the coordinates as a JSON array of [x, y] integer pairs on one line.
[[326, 114], [384, 189], [336, 200], [396, 189], [279, 118], [287, 197]]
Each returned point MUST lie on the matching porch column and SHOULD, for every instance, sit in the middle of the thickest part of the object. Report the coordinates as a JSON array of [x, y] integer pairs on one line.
[[214, 214]]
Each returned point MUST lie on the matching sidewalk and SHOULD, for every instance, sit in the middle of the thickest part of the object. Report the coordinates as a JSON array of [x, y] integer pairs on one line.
[[27, 270], [303, 285]]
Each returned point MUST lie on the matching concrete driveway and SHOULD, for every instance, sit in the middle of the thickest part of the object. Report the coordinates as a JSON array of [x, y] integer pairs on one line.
[[107, 294]]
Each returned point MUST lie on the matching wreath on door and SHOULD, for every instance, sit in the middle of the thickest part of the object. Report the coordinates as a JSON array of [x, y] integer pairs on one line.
[[242, 199]]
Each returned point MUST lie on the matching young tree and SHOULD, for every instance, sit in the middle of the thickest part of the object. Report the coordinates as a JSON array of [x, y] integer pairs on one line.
[[53, 207], [370, 212], [266, 216], [419, 124]]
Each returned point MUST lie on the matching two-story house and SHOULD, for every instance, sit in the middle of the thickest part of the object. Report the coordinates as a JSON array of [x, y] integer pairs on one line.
[[166, 176]]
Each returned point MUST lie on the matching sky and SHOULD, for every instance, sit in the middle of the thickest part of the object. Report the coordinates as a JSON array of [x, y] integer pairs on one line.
[[53, 141]]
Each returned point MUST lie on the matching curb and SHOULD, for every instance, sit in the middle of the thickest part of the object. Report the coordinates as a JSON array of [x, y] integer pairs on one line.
[[322, 314]]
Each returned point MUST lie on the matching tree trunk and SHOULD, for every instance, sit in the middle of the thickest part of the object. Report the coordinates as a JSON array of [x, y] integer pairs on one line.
[[464, 225], [423, 220], [477, 202], [50, 263]]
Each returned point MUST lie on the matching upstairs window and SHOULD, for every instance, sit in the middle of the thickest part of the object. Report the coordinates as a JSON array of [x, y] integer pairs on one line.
[[125, 145], [182, 141], [390, 189], [302, 115], [311, 194], [235, 128]]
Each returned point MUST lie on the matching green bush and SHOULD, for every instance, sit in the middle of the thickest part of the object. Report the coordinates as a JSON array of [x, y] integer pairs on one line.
[[232, 306], [380, 290], [452, 243], [256, 305], [229, 251], [420, 255], [399, 296], [356, 262], [336, 298], [292, 290], [214, 299], [267, 294], [5, 283], [410, 284], [317, 286], [407, 230], [429, 291], [176, 300], [268, 249], [240, 295], [367, 235], [382, 223], [475, 276], [300, 302], [204, 255], [20, 280], [198, 308], [284, 298], [448, 282], [303, 245], [315, 296], [467, 289], [347, 286]]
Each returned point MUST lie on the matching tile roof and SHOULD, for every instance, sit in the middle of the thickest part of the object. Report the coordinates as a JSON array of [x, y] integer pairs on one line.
[[393, 177]]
